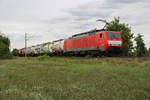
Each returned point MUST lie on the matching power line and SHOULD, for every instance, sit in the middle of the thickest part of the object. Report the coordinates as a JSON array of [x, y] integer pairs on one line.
[[26, 40], [26, 44]]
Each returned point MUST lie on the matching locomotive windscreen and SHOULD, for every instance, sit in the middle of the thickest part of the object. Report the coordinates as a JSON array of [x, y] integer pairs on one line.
[[113, 35]]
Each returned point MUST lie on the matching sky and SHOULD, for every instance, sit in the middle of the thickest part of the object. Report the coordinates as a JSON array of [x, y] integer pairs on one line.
[[48, 20]]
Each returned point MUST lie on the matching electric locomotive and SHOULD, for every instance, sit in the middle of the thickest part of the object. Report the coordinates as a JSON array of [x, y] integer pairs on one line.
[[94, 42]]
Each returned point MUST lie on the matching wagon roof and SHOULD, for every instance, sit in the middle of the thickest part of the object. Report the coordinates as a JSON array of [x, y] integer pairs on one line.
[[58, 40]]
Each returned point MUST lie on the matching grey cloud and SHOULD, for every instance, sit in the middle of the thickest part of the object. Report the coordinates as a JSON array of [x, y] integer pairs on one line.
[[58, 20], [88, 11], [97, 9], [92, 9], [15, 37], [142, 22], [123, 1], [84, 14], [117, 4], [80, 15]]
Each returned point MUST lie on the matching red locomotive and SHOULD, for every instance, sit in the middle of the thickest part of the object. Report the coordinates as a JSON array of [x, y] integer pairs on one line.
[[94, 42]]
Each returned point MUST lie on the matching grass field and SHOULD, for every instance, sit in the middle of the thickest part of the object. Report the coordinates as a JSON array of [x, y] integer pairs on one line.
[[75, 78]]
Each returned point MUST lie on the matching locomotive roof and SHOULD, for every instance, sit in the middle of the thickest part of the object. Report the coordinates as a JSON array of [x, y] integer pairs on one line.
[[86, 33]]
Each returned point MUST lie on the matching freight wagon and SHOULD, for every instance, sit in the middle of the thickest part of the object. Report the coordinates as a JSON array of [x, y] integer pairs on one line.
[[46, 48], [37, 49], [22, 52], [58, 47]]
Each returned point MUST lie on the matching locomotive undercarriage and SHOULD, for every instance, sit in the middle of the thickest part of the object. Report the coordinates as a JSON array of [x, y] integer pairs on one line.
[[111, 51]]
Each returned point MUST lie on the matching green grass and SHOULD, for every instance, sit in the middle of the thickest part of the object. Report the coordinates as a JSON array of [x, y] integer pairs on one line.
[[75, 78]]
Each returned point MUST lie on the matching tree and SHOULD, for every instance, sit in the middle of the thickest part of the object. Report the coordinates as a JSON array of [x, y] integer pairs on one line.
[[4, 47], [141, 50], [126, 34], [149, 52]]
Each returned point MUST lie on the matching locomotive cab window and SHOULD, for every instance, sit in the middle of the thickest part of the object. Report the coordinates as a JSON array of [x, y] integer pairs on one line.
[[113, 35], [100, 35]]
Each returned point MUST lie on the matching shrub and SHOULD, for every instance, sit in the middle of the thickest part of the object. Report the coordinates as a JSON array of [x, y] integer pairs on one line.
[[4, 48]]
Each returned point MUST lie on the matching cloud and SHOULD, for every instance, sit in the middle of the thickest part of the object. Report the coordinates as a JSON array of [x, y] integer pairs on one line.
[[123, 1], [89, 10]]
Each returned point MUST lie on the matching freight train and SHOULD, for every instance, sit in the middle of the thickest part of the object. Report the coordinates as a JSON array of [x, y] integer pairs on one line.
[[94, 42]]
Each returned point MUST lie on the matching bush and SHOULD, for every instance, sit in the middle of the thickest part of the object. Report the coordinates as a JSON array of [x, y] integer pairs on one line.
[[4, 48]]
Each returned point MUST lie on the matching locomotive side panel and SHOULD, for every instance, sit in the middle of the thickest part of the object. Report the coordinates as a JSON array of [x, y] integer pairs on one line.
[[86, 43], [68, 45], [101, 41]]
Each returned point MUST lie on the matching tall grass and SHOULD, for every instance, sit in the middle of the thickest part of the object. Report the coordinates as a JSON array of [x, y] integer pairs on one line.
[[75, 78]]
